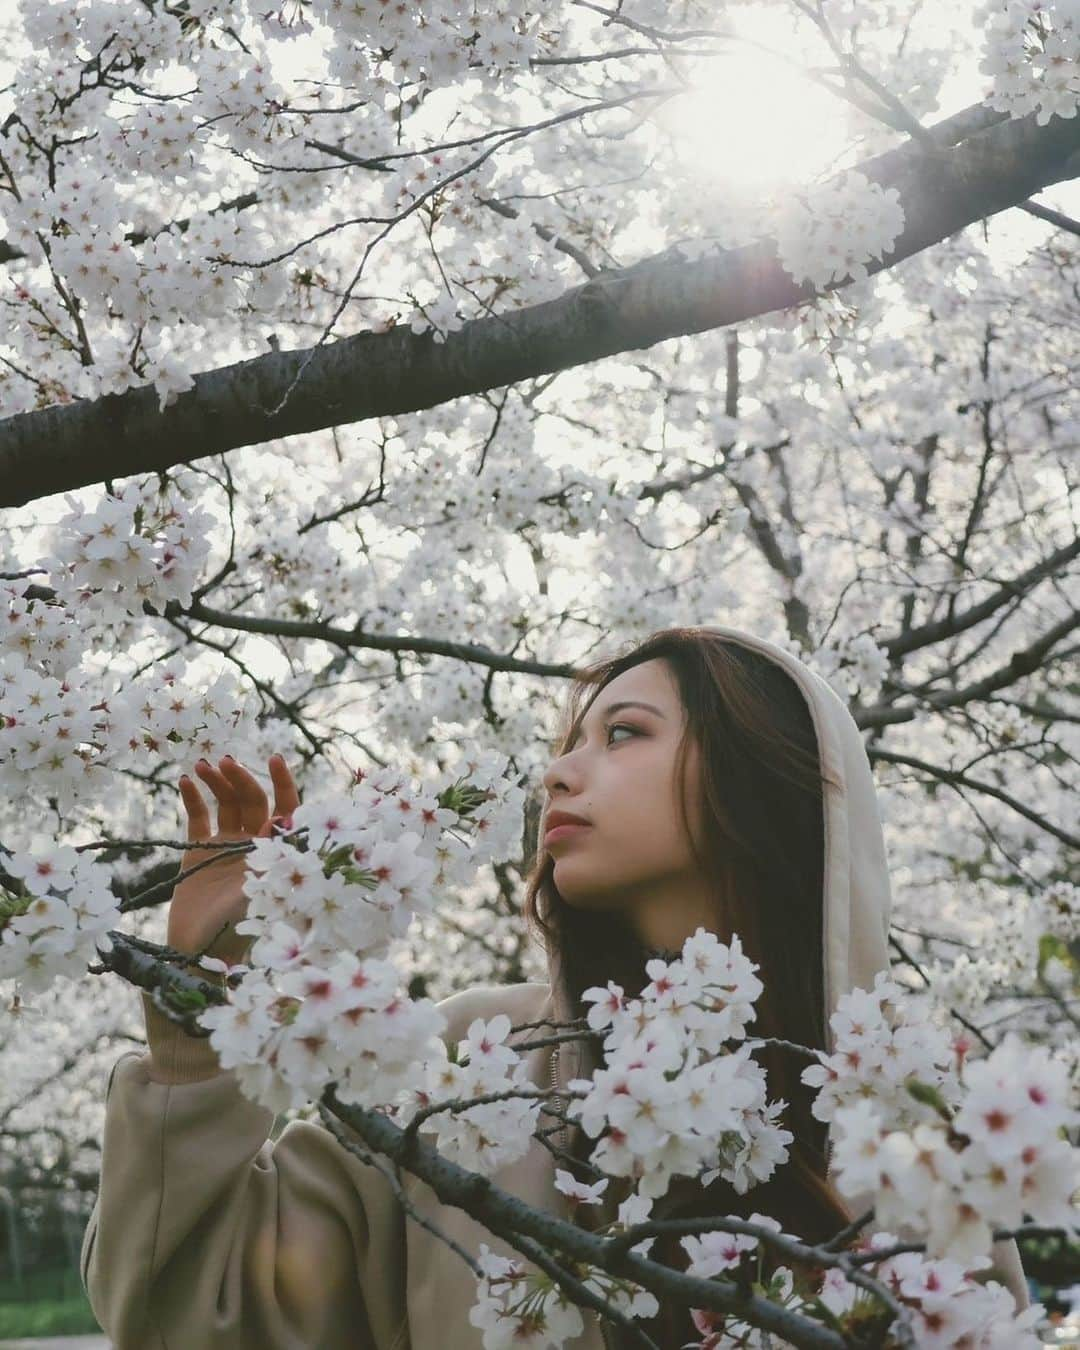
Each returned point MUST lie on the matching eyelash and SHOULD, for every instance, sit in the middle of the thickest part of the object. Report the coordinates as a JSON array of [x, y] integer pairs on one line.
[[618, 726]]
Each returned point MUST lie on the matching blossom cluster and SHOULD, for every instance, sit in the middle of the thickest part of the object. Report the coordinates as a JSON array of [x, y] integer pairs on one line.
[[944, 1308], [514, 1308], [435, 43], [320, 1000], [137, 544], [63, 721], [1031, 51], [58, 734], [56, 909], [670, 1100], [287, 1034], [517, 1306], [147, 286], [1004, 1152], [829, 233], [489, 1135], [881, 1043], [942, 1145]]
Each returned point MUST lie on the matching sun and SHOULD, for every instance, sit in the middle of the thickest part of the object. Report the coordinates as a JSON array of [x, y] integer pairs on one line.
[[752, 123]]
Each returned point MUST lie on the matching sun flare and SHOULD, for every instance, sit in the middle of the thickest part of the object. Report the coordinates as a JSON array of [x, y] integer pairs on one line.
[[752, 123]]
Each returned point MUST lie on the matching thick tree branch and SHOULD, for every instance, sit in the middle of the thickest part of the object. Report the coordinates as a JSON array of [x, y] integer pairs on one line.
[[511, 1218], [148, 966], [375, 374]]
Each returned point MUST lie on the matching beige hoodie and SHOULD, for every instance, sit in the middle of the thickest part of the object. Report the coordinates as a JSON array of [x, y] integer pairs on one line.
[[208, 1235]]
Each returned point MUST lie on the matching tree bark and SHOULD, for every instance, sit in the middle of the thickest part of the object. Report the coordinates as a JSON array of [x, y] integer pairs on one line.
[[986, 163]]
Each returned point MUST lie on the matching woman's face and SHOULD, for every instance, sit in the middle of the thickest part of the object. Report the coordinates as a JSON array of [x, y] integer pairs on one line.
[[634, 855]]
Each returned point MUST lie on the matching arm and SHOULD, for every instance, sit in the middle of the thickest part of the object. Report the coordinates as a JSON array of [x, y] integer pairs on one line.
[[207, 1235]]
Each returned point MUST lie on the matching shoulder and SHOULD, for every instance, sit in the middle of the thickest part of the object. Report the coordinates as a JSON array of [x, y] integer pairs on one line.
[[521, 1003]]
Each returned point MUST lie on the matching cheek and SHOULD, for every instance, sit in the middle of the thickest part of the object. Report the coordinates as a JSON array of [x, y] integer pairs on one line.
[[643, 820], [641, 796]]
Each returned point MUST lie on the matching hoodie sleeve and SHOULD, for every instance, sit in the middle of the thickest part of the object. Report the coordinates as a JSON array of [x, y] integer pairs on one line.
[[207, 1235], [1008, 1270]]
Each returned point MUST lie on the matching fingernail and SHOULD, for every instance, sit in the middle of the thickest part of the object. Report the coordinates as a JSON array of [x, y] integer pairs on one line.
[[203, 761], [184, 778], [226, 756]]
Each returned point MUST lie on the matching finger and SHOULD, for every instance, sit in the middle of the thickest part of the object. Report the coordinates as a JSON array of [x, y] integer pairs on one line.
[[230, 820], [286, 794], [198, 816], [254, 803]]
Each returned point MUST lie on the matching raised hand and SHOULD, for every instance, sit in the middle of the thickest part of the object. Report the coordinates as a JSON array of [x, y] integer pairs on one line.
[[206, 907]]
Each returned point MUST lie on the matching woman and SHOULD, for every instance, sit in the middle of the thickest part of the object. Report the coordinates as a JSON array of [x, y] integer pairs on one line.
[[721, 783]]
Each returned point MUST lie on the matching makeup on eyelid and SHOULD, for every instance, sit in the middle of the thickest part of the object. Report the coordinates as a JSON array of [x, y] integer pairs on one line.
[[613, 708]]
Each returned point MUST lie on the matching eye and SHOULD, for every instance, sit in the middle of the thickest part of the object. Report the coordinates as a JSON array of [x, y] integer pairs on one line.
[[620, 726], [611, 726]]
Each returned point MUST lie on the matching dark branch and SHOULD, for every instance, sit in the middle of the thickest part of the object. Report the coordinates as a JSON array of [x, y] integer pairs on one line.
[[930, 634], [377, 374], [956, 778], [510, 1218], [10, 252], [1058, 218], [1019, 666]]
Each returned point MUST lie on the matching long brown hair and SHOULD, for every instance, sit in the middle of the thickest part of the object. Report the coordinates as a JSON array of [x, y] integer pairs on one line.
[[761, 788]]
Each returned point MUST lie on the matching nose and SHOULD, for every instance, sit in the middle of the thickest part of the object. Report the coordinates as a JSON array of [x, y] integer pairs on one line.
[[561, 773]]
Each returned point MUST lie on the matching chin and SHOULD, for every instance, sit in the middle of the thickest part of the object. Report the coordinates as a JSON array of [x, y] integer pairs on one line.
[[579, 894]]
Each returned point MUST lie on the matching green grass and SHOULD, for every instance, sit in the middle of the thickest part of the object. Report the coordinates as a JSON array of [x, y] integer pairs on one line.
[[57, 1317], [46, 1303]]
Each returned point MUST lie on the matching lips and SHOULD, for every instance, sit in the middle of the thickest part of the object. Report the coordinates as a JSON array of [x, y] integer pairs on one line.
[[557, 818], [562, 825]]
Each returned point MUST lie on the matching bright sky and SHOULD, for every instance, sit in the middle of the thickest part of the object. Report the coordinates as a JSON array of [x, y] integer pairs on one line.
[[755, 123]]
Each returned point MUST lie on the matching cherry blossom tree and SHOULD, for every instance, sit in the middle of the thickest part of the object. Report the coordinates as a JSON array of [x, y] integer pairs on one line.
[[305, 301]]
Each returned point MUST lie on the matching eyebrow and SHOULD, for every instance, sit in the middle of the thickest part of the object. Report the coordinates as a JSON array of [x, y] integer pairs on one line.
[[617, 707]]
